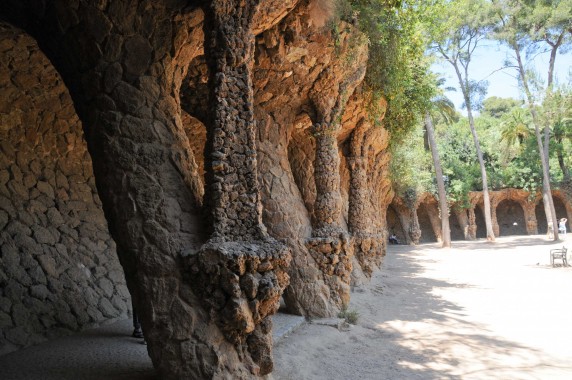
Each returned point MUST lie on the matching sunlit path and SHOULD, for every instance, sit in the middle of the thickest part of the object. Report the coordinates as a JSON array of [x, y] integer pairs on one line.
[[477, 311]]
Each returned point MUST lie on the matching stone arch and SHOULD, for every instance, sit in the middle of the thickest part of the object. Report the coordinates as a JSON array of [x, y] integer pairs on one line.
[[563, 210], [541, 217], [60, 271], [510, 217], [480, 222], [455, 227], [301, 151], [394, 224], [428, 234]]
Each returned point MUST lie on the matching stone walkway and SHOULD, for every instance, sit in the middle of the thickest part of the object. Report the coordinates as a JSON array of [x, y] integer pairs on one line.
[[105, 353]]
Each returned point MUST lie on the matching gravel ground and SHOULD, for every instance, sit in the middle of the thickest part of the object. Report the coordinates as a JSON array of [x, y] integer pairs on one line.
[[476, 311]]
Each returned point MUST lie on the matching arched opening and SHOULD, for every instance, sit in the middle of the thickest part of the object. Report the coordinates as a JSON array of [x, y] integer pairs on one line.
[[455, 227], [427, 232], [59, 271], [560, 209], [480, 222], [301, 152], [394, 225], [510, 218], [541, 218]]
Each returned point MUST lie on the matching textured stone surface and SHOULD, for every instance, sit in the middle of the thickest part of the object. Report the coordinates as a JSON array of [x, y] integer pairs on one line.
[[50, 201], [227, 141]]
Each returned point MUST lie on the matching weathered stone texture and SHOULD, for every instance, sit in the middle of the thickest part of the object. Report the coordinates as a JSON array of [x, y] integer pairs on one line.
[[302, 82], [223, 146], [55, 248]]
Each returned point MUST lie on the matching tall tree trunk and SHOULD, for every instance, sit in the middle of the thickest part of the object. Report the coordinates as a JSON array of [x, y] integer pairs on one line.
[[546, 191], [445, 229], [486, 199]]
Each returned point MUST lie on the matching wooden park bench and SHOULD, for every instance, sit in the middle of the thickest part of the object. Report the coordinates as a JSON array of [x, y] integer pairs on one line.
[[559, 254]]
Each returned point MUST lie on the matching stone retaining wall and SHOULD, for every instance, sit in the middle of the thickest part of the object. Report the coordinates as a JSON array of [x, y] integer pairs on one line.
[[58, 267]]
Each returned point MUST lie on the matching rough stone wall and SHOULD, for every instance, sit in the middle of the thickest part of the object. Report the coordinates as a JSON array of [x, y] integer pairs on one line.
[[302, 81], [59, 271], [191, 114]]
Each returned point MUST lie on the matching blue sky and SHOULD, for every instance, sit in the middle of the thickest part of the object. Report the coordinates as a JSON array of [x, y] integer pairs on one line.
[[488, 59]]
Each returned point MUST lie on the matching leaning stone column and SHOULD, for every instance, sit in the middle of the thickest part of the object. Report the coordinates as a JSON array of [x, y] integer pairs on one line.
[[414, 229], [240, 273], [369, 246], [358, 215], [496, 228], [463, 220], [330, 245], [472, 229], [530, 217]]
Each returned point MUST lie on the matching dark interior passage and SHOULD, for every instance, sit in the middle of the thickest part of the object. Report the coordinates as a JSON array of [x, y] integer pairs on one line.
[[560, 209], [457, 232], [480, 222], [394, 225], [541, 218], [59, 271], [510, 218], [427, 233]]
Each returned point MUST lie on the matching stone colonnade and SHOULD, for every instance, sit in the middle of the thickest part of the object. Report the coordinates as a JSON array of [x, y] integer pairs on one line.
[[513, 206], [234, 162]]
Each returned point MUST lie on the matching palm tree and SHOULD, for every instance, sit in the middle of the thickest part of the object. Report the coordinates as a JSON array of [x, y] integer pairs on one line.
[[516, 127]]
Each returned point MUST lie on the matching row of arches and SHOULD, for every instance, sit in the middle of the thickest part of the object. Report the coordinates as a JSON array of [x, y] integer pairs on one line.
[[510, 216]]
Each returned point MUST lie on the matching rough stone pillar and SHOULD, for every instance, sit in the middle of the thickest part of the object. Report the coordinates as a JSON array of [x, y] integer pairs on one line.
[[471, 233], [496, 228], [358, 212], [240, 273], [436, 222], [328, 205], [414, 231], [530, 217], [369, 242], [368, 246], [330, 245], [463, 219]]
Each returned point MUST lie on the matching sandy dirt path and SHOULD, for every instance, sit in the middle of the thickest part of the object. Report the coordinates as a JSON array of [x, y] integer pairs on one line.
[[476, 311]]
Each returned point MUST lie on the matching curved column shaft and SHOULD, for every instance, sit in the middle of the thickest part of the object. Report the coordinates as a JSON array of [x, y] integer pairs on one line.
[[235, 197], [240, 273], [328, 205], [358, 213]]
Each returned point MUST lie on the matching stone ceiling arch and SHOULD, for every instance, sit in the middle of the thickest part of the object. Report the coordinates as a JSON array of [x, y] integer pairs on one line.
[[429, 221]]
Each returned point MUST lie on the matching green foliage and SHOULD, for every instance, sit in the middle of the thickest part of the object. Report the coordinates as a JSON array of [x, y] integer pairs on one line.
[[351, 316], [398, 69], [411, 166], [497, 107]]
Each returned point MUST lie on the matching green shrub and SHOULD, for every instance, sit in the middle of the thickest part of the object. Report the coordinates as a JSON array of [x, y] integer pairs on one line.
[[351, 316]]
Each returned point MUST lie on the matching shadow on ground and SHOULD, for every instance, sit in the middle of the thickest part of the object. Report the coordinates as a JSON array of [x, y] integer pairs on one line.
[[108, 352], [421, 335]]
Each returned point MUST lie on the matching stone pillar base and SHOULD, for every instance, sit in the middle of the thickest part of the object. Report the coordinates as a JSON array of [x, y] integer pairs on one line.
[[369, 250], [240, 285], [333, 254]]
